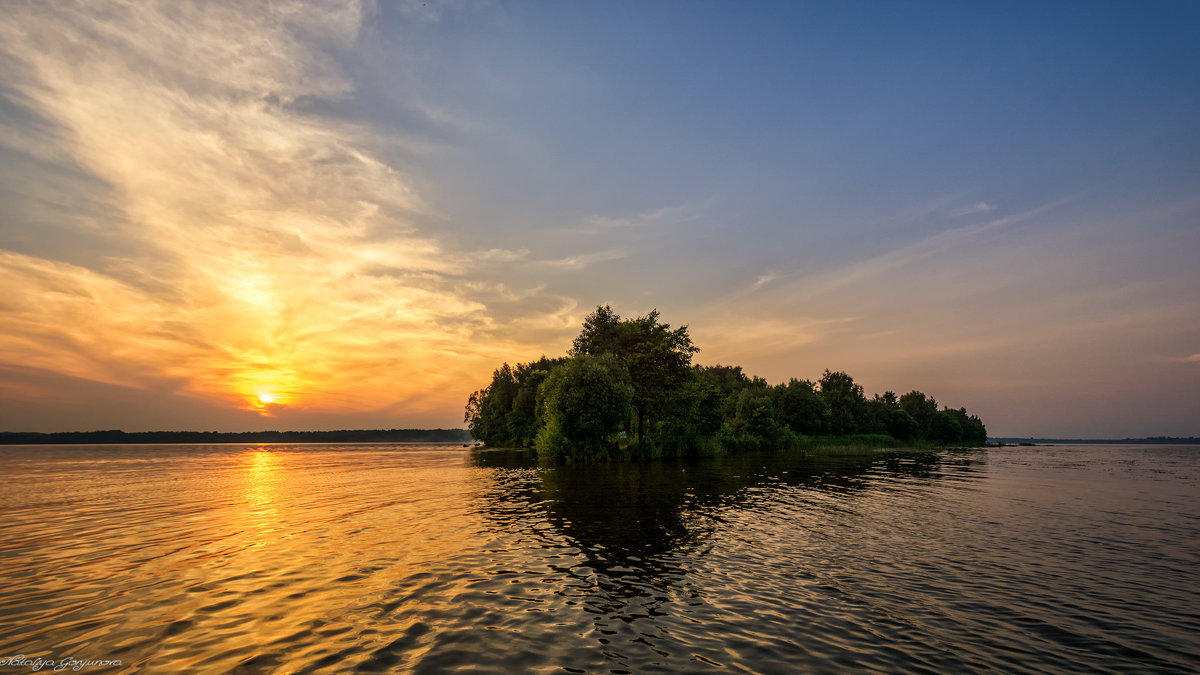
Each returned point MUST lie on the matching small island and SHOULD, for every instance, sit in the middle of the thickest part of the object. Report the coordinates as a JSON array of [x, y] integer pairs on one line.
[[628, 390]]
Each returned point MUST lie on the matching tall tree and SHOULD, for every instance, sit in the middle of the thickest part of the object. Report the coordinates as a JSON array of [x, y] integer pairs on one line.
[[844, 399], [972, 427], [658, 359], [944, 428], [487, 409], [522, 420], [922, 408], [799, 407], [903, 426], [603, 332]]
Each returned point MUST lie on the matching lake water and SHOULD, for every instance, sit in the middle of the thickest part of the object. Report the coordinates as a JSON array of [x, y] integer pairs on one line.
[[420, 558]]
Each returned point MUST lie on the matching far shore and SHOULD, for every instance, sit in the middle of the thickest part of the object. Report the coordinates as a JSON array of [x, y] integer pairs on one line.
[[825, 444], [118, 437]]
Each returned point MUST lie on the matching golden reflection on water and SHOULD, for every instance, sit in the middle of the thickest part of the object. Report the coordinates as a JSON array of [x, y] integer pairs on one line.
[[264, 471], [261, 463], [319, 552], [268, 558]]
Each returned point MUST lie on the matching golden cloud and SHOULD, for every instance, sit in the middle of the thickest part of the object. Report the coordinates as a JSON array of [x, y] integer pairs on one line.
[[268, 259]]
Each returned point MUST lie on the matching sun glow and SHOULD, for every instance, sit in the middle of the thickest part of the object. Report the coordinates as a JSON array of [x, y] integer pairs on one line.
[[266, 262], [262, 391], [262, 400]]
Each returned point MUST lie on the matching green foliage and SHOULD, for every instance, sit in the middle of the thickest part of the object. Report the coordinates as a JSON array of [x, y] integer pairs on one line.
[[658, 360], [973, 431], [851, 444], [602, 333], [488, 408], [922, 408], [874, 417], [727, 380], [799, 407], [845, 401], [629, 391], [584, 403], [552, 442], [523, 419], [706, 416], [901, 425], [504, 414], [944, 428]]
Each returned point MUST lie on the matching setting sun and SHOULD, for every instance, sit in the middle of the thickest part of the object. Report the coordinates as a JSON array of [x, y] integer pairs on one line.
[[262, 401]]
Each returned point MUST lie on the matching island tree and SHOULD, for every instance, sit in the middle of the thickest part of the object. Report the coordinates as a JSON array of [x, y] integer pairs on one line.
[[584, 403], [628, 389], [658, 360]]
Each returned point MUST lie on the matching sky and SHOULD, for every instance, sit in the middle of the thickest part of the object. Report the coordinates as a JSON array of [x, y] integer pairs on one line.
[[328, 215]]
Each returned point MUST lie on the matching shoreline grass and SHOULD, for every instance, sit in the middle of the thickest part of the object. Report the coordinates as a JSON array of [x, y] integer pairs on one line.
[[868, 444]]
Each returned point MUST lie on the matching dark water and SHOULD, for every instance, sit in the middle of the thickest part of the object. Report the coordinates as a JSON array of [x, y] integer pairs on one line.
[[400, 558]]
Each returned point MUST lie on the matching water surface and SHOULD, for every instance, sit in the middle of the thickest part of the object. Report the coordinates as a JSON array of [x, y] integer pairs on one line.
[[425, 558]]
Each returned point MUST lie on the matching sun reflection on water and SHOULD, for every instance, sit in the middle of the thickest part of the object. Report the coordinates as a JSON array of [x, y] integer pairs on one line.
[[263, 470]]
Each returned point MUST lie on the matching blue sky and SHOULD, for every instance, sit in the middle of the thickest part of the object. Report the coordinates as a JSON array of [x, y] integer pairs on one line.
[[315, 215]]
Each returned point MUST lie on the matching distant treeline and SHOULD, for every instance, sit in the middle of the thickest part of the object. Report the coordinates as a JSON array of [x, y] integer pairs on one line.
[[343, 436], [1152, 440], [628, 390]]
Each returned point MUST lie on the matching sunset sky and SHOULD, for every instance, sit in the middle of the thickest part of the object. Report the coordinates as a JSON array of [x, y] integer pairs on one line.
[[278, 215]]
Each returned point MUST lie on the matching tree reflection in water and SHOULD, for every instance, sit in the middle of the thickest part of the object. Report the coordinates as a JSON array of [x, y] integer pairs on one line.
[[626, 536]]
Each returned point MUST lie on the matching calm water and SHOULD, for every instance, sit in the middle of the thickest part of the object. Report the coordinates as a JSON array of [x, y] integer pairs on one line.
[[398, 558]]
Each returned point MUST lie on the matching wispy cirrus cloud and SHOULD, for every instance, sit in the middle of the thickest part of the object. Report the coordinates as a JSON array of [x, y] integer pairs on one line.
[[263, 250], [763, 280], [582, 260], [661, 217], [980, 207]]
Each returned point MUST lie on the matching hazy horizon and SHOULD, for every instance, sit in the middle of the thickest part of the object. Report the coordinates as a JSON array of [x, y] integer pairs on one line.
[[991, 437], [345, 215]]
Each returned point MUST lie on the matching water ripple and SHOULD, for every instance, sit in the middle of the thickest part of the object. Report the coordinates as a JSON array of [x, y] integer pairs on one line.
[[333, 559]]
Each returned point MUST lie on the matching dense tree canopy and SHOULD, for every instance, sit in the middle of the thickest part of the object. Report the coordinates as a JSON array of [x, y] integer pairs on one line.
[[658, 360], [628, 389], [584, 404]]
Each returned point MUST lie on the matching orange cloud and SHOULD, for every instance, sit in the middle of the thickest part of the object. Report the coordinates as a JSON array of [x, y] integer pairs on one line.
[[267, 260]]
